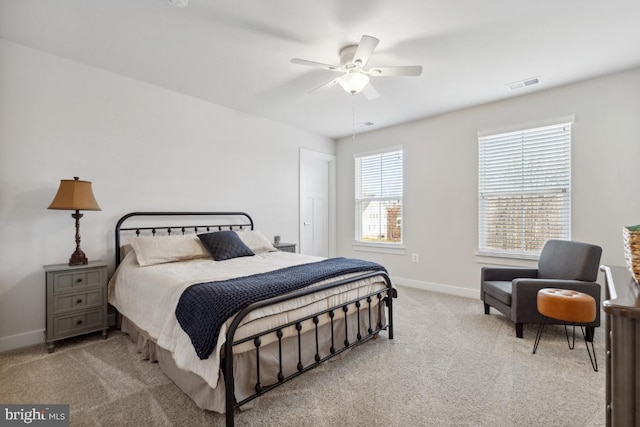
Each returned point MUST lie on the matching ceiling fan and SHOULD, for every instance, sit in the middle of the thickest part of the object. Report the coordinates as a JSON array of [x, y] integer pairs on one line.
[[355, 76]]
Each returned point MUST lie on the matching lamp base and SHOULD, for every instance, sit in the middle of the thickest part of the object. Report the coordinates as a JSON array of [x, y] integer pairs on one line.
[[78, 258]]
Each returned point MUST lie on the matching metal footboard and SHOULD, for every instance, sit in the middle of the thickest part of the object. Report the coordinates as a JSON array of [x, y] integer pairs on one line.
[[362, 305]]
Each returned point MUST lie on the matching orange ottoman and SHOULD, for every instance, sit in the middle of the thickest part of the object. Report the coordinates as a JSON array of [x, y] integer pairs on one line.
[[569, 306]]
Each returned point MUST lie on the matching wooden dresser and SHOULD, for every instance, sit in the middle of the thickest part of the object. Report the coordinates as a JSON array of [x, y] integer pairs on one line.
[[622, 310]]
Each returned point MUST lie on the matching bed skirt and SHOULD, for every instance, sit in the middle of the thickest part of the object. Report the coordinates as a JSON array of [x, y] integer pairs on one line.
[[245, 366]]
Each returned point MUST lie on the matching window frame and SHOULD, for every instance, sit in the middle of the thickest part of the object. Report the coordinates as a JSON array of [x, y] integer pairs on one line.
[[557, 184], [377, 246]]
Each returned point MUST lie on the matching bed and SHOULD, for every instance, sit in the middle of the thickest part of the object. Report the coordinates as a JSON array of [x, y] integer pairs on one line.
[[168, 264]]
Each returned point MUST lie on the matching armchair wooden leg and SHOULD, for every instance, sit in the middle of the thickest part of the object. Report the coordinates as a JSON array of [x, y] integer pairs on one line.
[[519, 328], [589, 332], [486, 308]]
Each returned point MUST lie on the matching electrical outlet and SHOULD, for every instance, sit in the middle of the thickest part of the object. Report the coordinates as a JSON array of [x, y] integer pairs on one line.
[[415, 258]]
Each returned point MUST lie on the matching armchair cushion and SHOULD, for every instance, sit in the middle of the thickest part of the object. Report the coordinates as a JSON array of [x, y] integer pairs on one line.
[[500, 290], [562, 259]]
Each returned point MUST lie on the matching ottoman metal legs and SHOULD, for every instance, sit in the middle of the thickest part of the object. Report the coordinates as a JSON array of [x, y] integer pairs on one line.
[[569, 306]]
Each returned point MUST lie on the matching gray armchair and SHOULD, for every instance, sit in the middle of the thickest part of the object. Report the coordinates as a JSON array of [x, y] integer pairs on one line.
[[562, 264]]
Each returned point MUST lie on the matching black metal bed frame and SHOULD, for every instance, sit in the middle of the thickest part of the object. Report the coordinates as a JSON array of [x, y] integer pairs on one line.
[[361, 304]]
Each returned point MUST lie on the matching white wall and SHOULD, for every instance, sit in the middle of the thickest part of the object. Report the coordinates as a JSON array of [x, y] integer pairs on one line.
[[144, 148], [440, 205]]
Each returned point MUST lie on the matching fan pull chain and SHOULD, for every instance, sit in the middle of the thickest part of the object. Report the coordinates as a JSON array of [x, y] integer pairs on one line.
[[353, 116]]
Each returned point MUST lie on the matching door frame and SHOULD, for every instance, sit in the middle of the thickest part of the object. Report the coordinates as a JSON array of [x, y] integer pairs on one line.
[[331, 217]]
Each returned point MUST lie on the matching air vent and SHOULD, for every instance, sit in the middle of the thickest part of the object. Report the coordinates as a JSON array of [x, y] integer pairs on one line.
[[363, 125], [524, 83]]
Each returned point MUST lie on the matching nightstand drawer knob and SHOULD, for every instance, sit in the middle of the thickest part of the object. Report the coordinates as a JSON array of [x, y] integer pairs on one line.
[[79, 280], [79, 322], [79, 301]]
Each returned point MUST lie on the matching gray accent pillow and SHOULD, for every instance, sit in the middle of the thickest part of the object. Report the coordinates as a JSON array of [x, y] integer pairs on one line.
[[224, 245]]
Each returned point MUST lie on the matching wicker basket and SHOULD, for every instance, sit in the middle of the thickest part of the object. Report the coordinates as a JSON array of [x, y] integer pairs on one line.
[[631, 237]]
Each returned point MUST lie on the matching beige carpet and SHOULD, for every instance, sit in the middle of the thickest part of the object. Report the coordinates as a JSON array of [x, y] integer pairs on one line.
[[449, 365]]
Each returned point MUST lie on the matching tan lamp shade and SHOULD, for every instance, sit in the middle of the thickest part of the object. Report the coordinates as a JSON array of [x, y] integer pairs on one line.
[[75, 194]]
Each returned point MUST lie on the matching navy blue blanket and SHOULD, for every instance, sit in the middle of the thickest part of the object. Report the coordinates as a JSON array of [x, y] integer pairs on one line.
[[203, 308]]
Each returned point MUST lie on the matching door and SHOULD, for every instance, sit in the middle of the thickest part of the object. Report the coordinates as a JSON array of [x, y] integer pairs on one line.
[[317, 172]]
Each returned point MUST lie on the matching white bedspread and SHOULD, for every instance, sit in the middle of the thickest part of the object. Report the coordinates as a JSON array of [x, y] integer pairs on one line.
[[149, 295]]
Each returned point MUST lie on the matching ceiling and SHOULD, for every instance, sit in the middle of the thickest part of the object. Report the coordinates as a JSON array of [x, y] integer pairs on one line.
[[236, 53]]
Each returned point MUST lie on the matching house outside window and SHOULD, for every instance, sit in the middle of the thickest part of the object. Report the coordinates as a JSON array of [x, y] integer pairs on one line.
[[524, 190], [379, 193]]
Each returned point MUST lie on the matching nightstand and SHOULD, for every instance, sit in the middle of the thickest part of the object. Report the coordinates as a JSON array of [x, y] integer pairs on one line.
[[286, 247], [76, 300]]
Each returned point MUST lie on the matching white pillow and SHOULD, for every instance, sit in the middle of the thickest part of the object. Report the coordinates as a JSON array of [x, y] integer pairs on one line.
[[152, 250], [255, 241]]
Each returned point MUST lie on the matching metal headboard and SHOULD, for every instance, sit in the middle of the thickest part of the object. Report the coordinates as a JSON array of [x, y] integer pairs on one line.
[[165, 223]]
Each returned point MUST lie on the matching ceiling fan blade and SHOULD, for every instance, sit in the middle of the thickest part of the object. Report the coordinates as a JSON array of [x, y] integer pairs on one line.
[[316, 64], [407, 70], [365, 49], [325, 85], [370, 92]]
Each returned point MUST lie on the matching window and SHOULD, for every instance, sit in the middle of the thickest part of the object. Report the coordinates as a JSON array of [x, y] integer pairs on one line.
[[378, 205], [524, 190]]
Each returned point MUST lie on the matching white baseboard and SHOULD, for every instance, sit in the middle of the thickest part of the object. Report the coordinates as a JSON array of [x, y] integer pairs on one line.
[[436, 287], [36, 337], [21, 340]]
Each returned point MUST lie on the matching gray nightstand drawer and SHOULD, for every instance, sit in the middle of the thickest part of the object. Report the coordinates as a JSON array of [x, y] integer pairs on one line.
[[286, 247], [77, 301], [64, 281], [74, 324]]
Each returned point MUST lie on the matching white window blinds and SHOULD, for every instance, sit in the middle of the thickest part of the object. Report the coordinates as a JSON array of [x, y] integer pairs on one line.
[[378, 204], [524, 190]]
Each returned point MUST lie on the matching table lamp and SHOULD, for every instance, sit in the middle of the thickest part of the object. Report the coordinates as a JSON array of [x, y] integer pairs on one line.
[[75, 195]]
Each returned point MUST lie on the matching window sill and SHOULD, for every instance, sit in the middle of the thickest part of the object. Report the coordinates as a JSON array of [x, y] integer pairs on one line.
[[516, 260], [380, 248]]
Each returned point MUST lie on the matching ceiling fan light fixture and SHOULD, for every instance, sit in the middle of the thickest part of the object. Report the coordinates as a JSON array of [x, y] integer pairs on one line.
[[355, 76], [353, 82]]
